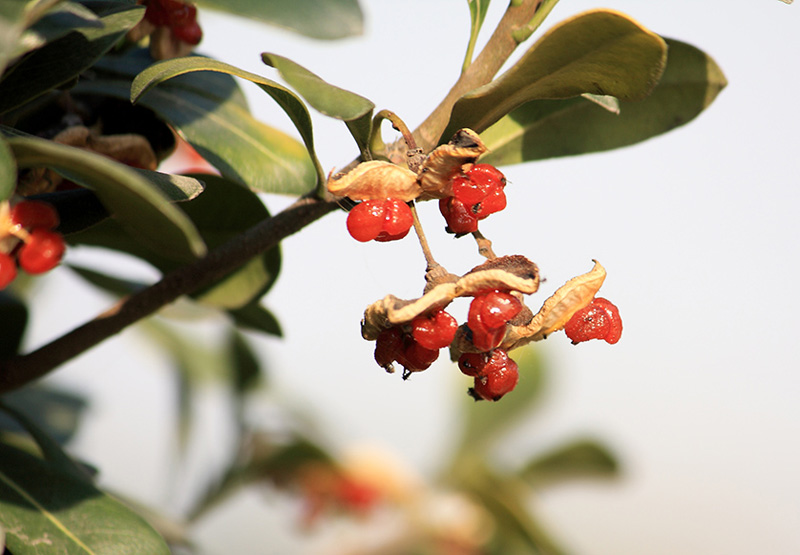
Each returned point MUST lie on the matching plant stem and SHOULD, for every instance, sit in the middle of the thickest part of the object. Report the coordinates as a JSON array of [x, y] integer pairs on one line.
[[484, 245], [501, 45], [24, 369]]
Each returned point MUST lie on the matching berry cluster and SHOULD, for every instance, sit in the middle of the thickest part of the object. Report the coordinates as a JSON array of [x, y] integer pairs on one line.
[[415, 346], [28, 239], [383, 220], [180, 17], [477, 193], [489, 312], [598, 320], [495, 374]]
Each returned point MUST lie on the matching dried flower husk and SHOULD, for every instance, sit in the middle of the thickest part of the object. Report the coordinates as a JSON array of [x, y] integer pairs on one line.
[[447, 161], [375, 179], [512, 273]]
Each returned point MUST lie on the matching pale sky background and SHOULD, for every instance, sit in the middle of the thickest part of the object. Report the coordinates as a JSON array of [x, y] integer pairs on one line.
[[698, 232]]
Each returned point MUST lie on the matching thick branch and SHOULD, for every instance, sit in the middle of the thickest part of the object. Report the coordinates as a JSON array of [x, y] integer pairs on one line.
[[23, 369]]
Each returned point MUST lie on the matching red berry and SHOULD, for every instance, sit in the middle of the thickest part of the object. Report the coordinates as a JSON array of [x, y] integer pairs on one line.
[[467, 190], [41, 252], [8, 270], [435, 331], [486, 173], [156, 13], [460, 219], [415, 357], [365, 220], [190, 34], [598, 320], [495, 201], [497, 381], [481, 364], [388, 346], [488, 314], [398, 220], [34, 213]]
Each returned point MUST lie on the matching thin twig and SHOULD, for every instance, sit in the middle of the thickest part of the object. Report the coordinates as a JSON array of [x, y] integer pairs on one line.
[[265, 235]]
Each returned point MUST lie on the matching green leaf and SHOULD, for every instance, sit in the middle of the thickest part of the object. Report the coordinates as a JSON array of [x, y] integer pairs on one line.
[[61, 61], [62, 19], [257, 318], [485, 421], [8, 171], [579, 459], [15, 17], [54, 411], [44, 509], [331, 19], [477, 13], [549, 128], [245, 366], [13, 320], [114, 285], [221, 213], [326, 98], [599, 52], [141, 208], [223, 134]]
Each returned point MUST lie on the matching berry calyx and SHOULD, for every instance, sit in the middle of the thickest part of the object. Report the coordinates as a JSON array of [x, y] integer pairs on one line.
[[33, 213], [41, 252], [8, 270], [435, 331], [599, 319], [380, 220], [498, 375]]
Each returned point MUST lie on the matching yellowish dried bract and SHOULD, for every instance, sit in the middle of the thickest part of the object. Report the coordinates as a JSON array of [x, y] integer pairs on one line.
[[375, 179], [447, 161], [521, 275]]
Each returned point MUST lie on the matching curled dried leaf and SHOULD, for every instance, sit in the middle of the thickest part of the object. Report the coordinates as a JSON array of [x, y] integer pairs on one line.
[[558, 309], [511, 273], [375, 179], [447, 161]]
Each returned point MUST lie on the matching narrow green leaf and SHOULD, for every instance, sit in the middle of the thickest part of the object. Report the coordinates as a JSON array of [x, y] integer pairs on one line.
[[326, 98], [8, 171], [140, 207], [45, 510], [15, 17], [286, 99], [584, 458], [600, 52], [331, 19], [61, 61], [257, 318], [485, 421], [13, 320], [60, 20], [55, 411], [549, 128], [114, 285], [477, 13], [245, 366]]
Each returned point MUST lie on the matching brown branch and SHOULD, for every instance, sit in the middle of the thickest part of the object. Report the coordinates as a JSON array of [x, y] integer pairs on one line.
[[24, 369], [482, 70]]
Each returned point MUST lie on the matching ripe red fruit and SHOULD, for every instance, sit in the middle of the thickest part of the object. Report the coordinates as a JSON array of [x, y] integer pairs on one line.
[[394, 345], [460, 219], [497, 381], [41, 252], [8, 270], [481, 364], [487, 173], [34, 214], [435, 331], [598, 320], [190, 34], [380, 220], [488, 314], [388, 346]]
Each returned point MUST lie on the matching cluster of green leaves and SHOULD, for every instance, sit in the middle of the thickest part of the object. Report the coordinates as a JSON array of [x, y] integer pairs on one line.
[[594, 82]]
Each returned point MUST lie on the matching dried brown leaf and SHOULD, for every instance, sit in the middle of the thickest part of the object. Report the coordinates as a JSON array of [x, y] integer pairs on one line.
[[375, 179], [447, 161]]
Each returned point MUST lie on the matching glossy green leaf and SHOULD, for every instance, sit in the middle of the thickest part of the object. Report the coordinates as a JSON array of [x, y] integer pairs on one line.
[[15, 17], [44, 509], [13, 320], [60, 20], [140, 207], [549, 128], [580, 459], [221, 213], [8, 171], [599, 52], [326, 98], [59, 62], [289, 168], [330, 19], [486, 421], [111, 284]]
